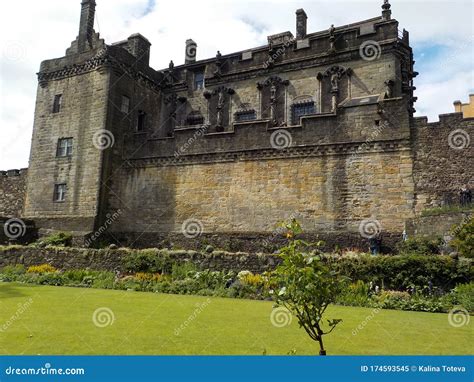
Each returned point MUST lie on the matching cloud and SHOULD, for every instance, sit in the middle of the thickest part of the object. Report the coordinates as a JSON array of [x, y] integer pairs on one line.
[[441, 33]]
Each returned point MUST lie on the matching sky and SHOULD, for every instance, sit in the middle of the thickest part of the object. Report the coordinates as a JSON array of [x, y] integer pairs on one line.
[[441, 35]]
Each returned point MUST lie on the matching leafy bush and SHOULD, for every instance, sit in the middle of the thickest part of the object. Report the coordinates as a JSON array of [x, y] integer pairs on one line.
[[182, 271], [148, 261], [464, 295], [58, 239], [420, 245], [44, 268], [403, 271], [463, 240], [357, 294]]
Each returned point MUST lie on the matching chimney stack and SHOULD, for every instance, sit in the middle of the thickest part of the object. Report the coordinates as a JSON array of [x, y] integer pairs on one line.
[[191, 48], [86, 27], [301, 24], [386, 12]]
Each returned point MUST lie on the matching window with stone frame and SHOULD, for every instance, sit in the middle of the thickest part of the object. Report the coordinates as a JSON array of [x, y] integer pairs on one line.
[[125, 106], [141, 121], [199, 80], [245, 115], [194, 118], [64, 148], [300, 109], [57, 103], [60, 192]]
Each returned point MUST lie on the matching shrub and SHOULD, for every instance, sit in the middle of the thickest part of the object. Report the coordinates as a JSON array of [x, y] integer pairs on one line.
[[357, 294], [58, 239], [40, 269], [141, 276], [148, 261], [18, 269], [420, 245], [464, 296], [463, 240], [252, 280], [183, 270], [402, 271]]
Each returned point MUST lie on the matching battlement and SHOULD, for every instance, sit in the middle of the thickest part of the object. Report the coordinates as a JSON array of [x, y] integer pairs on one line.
[[13, 173]]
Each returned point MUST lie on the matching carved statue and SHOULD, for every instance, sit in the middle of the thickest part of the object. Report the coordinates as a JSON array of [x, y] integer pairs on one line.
[[220, 106], [388, 89], [171, 66], [335, 81], [332, 39], [273, 91]]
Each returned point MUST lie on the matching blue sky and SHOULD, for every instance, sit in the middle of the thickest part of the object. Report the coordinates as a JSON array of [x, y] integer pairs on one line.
[[441, 34]]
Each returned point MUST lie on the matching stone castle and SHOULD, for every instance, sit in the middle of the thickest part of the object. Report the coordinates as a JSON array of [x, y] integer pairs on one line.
[[316, 126]]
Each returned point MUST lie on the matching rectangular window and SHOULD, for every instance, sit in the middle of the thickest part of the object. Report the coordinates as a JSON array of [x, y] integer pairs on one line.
[[301, 109], [247, 115], [57, 103], [64, 147], [198, 80], [60, 192], [141, 120], [125, 107]]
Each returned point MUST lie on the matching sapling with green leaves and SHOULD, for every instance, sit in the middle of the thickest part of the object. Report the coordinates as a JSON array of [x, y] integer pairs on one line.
[[305, 286]]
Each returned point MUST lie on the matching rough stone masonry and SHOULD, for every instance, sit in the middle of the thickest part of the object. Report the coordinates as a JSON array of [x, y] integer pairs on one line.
[[318, 127]]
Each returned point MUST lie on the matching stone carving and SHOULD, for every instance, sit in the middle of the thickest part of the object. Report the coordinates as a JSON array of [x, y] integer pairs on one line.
[[389, 88], [273, 99], [332, 39]]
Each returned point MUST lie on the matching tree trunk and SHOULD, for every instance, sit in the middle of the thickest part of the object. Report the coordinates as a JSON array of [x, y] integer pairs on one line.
[[321, 351]]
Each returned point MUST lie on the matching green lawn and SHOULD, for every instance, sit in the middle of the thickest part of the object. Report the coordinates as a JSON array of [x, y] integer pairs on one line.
[[59, 320]]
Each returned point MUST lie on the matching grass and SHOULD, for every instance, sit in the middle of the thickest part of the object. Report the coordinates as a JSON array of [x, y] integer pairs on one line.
[[58, 320]]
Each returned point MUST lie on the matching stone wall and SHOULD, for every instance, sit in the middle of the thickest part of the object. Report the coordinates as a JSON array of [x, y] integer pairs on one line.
[[12, 192], [443, 159], [83, 113], [111, 260]]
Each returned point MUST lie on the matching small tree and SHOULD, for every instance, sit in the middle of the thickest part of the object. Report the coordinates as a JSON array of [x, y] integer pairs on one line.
[[463, 239], [305, 286]]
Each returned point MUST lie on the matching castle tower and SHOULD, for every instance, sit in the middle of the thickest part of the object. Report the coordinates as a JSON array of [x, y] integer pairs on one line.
[[69, 134]]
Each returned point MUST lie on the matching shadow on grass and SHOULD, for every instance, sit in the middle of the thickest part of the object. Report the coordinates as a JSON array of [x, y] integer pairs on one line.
[[9, 290]]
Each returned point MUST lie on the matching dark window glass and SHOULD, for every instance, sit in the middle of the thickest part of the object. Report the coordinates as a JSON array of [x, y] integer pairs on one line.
[[125, 107], [60, 192], [247, 115], [198, 80], [301, 109], [57, 103], [141, 120], [64, 147]]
